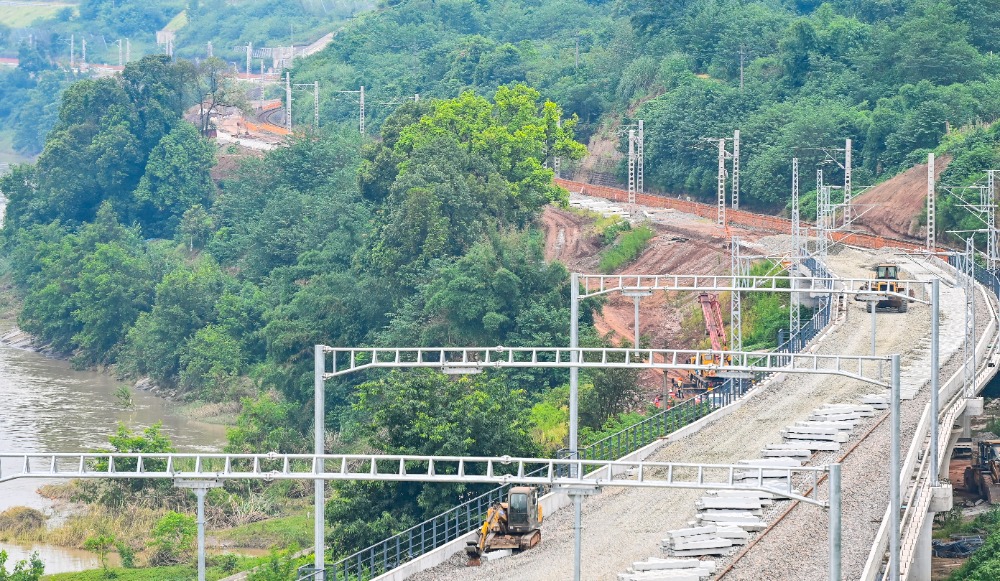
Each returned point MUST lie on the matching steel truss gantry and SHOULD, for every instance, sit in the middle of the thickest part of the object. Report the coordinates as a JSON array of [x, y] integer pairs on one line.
[[984, 207], [593, 285], [497, 470], [339, 361]]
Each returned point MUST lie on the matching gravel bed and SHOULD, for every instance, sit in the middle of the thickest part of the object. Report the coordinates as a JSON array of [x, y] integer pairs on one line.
[[626, 525], [797, 547]]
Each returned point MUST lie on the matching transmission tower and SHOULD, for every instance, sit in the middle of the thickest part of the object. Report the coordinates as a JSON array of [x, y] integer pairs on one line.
[[931, 206], [794, 323]]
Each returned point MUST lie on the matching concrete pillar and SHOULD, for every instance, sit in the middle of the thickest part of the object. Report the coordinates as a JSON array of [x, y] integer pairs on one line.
[[921, 569], [965, 422]]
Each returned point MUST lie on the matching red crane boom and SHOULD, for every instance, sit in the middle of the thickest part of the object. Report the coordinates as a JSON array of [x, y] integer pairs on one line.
[[713, 321]]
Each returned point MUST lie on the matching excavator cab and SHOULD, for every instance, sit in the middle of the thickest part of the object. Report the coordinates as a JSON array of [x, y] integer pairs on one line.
[[522, 515]]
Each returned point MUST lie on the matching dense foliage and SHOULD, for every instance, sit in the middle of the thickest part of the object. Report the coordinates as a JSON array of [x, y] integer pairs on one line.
[[894, 77]]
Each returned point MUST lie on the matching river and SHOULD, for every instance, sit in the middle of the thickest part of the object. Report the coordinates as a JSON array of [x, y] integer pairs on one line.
[[47, 406]]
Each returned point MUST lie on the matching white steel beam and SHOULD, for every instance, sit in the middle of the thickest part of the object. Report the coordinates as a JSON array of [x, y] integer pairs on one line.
[[405, 468], [345, 360], [599, 284]]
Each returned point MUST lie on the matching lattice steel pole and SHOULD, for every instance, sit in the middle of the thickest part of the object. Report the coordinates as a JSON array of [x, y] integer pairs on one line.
[[991, 222], [288, 102], [315, 104], [640, 159], [249, 56], [931, 206], [736, 169], [969, 346], [794, 323], [361, 121], [848, 210], [722, 183], [319, 442], [735, 302], [631, 167]]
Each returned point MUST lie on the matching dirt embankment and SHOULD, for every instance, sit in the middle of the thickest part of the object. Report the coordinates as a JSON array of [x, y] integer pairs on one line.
[[685, 249], [894, 207]]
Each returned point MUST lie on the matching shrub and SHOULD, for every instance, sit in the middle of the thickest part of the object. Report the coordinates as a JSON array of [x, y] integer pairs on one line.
[[20, 520], [628, 248], [173, 539]]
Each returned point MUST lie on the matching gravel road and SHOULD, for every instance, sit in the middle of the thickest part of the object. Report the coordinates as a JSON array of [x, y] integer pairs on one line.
[[622, 526]]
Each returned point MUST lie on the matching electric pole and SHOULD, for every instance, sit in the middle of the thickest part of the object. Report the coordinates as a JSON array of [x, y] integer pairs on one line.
[[848, 211], [316, 104], [72, 50], [128, 50], [120, 62], [931, 206], [249, 56], [83, 56], [736, 169], [362, 111], [288, 102]]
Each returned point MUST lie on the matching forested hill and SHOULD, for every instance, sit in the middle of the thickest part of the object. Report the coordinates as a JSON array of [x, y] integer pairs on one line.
[[893, 76]]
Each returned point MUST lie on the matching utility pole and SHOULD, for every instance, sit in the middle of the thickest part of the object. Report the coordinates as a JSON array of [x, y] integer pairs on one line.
[[794, 323], [362, 111], [72, 50], [120, 62], [316, 104], [736, 169], [735, 303], [288, 102], [848, 211], [209, 49], [722, 183], [931, 211], [631, 169], [742, 56], [128, 50], [83, 56], [641, 156], [249, 55], [990, 203]]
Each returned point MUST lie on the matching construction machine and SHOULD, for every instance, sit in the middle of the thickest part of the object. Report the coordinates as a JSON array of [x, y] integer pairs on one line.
[[983, 476], [509, 525], [886, 281], [696, 382]]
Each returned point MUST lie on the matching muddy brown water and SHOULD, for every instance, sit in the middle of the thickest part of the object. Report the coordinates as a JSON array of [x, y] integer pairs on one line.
[[47, 406]]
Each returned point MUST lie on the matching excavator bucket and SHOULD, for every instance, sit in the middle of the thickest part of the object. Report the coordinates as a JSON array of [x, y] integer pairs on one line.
[[472, 551]]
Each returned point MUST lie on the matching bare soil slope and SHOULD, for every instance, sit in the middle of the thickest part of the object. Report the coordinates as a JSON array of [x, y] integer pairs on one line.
[[893, 208]]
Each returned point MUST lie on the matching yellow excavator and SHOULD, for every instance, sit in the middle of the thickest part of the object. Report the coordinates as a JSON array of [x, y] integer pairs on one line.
[[983, 476], [509, 525]]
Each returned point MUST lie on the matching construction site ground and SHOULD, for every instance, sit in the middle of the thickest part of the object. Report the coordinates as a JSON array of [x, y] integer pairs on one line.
[[623, 525], [894, 207]]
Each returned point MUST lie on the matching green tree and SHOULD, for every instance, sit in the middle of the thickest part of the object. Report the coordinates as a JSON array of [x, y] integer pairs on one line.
[[176, 178], [28, 570], [101, 545], [173, 539]]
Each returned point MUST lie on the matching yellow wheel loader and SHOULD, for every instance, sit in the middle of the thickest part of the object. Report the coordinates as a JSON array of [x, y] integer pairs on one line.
[[886, 280], [509, 525]]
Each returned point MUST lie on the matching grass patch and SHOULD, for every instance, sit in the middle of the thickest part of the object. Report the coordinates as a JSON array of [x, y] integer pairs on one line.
[[171, 573], [629, 246], [177, 22], [24, 15], [276, 532]]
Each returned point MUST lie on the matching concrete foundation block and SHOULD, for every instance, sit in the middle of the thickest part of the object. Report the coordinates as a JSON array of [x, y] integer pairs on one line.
[[692, 532], [941, 498], [814, 445], [728, 502], [974, 406], [657, 564], [786, 453], [834, 417], [797, 434], [782, 461], [844, 425], [494, 555]]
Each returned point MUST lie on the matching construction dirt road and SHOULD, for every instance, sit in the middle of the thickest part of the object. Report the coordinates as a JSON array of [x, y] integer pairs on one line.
[[893, 208]]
